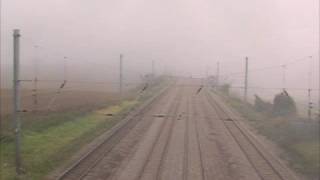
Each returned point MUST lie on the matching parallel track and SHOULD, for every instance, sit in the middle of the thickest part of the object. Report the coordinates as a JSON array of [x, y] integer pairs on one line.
[[186, 143], [169, 121], [196, 126], [83, 166], [156, 157], [169, 137], [260, 163]]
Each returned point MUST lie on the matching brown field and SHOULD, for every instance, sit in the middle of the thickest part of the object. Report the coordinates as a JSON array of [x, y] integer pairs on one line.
[[49, 100]]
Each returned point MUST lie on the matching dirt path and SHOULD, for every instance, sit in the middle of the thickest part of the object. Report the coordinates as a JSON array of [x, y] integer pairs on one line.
[[187, 136]]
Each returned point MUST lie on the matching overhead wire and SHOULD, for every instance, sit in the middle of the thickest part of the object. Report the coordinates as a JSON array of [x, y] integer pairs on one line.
[[270, 67]]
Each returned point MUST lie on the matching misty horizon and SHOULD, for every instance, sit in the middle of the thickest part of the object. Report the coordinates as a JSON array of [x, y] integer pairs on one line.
[[184, 39]]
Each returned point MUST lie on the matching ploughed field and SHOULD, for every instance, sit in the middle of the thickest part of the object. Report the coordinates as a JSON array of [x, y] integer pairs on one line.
[[49, 100]]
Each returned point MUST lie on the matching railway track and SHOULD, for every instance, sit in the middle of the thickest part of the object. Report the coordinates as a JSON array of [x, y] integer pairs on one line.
[[186, 143], [169, 137], [195, 136], [81, 168], [164, 133], [263, 163], [199, 147]]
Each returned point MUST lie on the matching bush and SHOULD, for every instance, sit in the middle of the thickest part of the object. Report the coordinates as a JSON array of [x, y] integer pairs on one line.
[[284, 105]]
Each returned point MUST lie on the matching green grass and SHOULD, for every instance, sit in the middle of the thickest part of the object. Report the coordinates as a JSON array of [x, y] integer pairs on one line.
[[306, 154], [298, 139], [48, 145], [50, 139]]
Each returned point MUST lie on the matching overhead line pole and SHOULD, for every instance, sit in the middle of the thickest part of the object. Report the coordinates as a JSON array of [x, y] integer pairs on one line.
[[319, 83], [310, 104], [207, 72], [152, 76], [207, 76], [284, 78], [153, 73], [65, 68], [120, 76], [218, 74], [319, 86], [35, 83], [16, 99], [0, 68], [246, 80]]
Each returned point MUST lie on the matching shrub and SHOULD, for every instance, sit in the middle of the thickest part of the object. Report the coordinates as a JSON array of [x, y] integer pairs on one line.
[[284, 105]]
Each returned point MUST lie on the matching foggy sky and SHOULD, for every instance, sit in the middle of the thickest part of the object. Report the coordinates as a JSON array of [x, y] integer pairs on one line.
[[184, 37]]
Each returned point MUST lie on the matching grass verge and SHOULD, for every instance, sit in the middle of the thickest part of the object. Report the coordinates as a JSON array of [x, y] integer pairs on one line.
[[298, 138], [48, 145], [50, 139]]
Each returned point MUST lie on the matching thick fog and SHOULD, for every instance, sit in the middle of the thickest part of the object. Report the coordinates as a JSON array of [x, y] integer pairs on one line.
[[183, 37]]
